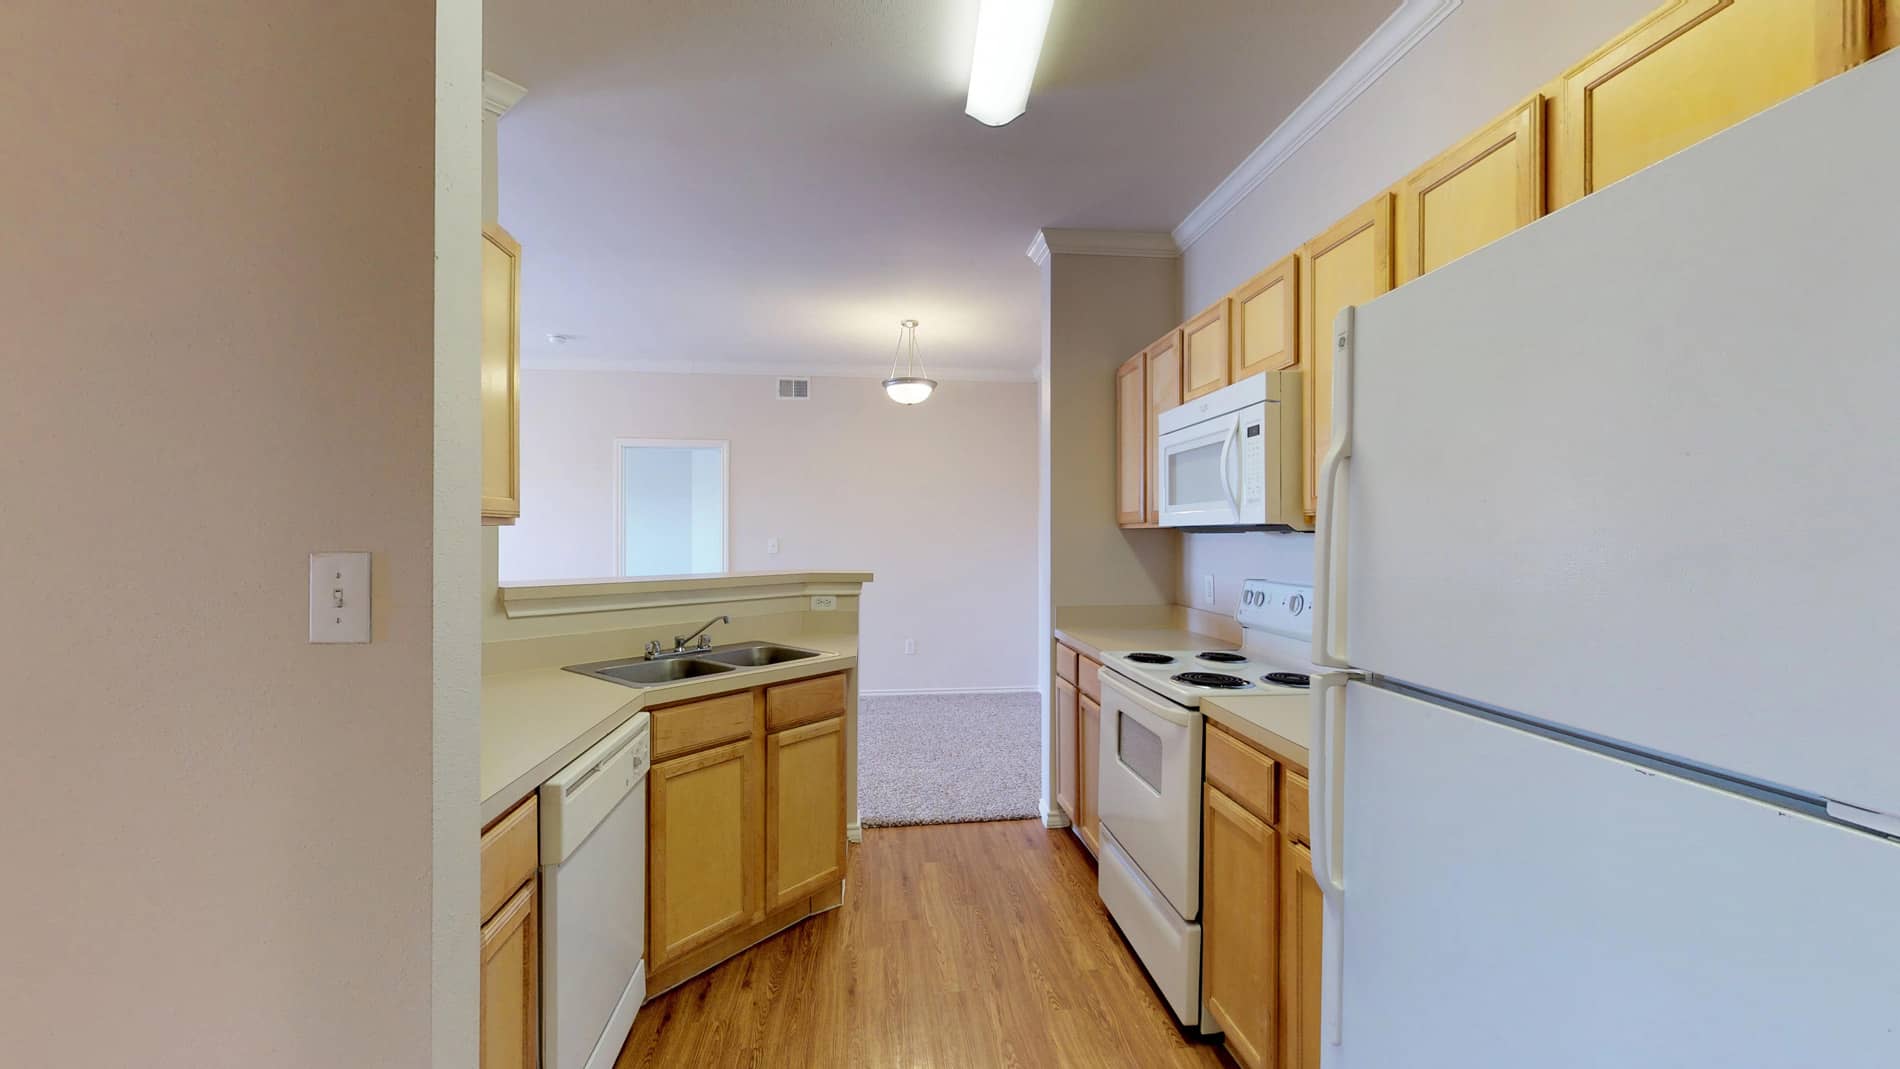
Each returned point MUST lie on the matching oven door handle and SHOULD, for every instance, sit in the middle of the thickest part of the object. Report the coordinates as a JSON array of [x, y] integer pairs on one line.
[[1159, 709]]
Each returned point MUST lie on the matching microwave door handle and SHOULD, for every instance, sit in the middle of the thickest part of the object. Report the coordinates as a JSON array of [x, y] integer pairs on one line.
[[1226, 458]]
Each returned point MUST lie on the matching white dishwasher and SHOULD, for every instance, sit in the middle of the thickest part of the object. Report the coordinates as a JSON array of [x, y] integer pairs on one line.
[[593, 875]]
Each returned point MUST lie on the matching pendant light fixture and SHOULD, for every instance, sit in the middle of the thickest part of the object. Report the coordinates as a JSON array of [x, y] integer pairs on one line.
[[912, 387]]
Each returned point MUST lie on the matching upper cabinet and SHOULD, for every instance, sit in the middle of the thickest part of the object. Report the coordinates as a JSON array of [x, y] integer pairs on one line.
[[1204, 350], [1131, 437], [1266, 322], [1476, 193], [1886, 25], [1164, 392], [501, 376], [1351, 263], [1690, 69]]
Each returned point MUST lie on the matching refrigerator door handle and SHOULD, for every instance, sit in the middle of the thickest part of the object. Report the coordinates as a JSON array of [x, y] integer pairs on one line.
[[1323, 756], [1327, 531]]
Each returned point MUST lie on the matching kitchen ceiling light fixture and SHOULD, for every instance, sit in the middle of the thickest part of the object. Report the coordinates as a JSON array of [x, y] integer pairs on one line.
[[912, 387], [1009, 37]]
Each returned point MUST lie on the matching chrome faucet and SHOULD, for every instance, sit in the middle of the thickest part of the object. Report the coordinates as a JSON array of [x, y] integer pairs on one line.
[[705, 640]]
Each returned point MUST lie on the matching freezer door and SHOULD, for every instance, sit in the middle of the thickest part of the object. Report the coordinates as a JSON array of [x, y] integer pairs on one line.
[[1635, 469], [1514, 901]]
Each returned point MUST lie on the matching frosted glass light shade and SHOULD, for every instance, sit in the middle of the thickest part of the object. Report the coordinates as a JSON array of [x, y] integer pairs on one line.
[[909, 391]]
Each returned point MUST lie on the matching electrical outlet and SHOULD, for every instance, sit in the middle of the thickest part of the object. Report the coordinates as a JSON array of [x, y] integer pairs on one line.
[[824, 602], [1207, 590], [910, 645]]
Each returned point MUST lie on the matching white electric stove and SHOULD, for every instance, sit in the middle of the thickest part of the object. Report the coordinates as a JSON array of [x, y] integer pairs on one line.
[[1149, 776]]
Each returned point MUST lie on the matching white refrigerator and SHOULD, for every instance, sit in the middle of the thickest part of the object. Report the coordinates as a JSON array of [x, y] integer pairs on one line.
[[1608, 770]]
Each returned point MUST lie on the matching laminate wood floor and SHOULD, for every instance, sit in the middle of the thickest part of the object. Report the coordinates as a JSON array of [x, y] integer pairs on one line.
[[959, 946]]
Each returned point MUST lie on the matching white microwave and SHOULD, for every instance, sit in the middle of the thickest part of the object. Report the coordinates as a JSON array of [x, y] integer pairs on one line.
[[1232, 458]]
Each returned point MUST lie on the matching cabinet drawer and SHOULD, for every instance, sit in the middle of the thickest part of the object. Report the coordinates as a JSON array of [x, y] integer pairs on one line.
[[1065, 663], [1241, 772], [790, 704], [1293, 807], [511, 852], [1088, 679], [681, 729]]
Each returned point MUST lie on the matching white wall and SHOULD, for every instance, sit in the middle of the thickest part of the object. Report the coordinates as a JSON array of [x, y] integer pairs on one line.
[[1484, 58], [939, 500], [219, 291]]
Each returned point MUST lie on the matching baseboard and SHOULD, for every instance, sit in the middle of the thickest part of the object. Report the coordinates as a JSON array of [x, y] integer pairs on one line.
[[854, 832], [1053, 817], [948, 690]]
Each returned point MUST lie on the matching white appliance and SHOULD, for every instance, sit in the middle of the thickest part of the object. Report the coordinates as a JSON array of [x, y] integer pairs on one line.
[[1149, 768], [1609, 774], [1232, 458], [593, 877]]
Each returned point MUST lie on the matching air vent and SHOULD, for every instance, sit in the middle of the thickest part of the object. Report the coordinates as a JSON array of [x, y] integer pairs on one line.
[[794, 389]]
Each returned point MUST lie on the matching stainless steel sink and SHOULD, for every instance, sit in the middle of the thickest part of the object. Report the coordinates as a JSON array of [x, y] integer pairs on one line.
[[756, 654], [642, 673]]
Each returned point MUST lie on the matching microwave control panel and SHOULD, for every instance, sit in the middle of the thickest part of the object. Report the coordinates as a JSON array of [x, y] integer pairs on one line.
[[1253, 461]]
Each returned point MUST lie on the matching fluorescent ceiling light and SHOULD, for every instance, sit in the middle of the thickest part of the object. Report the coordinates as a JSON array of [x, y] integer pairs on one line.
[[1008, 42]]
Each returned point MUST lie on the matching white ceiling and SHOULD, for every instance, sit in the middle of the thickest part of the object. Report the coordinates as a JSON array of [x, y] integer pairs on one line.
[[771, 186]]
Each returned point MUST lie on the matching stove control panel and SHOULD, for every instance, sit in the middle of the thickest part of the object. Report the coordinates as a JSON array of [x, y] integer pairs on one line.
[[1283, 608]]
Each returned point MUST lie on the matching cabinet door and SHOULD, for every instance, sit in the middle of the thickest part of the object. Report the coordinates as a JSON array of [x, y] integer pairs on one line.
[[1351, 263], [1068, 752], [1300, 921], [1240, 861], [1131, 436], [1088, 736], [1164, 392], [511, 969], [1266, 321], [1886, 25], [1692, 68], [1204, 351], [1483, 189], [804, 811], [704, 849], [501, 376]]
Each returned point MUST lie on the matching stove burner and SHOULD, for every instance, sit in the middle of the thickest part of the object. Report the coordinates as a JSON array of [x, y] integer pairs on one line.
[[1222, 657], [1150, 658], [1212, 679], [1287, 679]]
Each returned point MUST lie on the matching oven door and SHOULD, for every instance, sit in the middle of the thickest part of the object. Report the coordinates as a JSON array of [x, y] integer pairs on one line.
[[1197, 468], [1150, 787]]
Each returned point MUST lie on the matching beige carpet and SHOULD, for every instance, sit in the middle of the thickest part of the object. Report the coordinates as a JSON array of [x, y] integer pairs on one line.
[[948, 758]]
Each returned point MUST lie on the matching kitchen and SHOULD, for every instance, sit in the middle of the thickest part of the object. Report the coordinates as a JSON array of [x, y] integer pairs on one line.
[[1439, 551]]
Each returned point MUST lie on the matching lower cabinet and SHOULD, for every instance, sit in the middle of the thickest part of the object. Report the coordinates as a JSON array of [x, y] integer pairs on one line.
[[1088, 737], [804, 811], [1078, 714], [511, 940], [1301, 918], [1068, 743], [1240, 858], [705, 847]]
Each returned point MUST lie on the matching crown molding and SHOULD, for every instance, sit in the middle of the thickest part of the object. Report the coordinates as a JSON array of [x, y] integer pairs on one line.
[[1396, 36], [877, 372], [1070, 241], [499, 94]]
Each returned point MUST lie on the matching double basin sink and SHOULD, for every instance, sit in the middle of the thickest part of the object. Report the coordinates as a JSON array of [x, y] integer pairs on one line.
[[691, 664]]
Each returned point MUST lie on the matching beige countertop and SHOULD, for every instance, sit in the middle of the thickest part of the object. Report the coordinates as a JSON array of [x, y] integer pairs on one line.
[[536, 721], [1279, 723], [1093, 639]]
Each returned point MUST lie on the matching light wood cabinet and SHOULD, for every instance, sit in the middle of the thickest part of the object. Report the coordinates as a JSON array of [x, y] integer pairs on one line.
[[1886, 25], [1301, 917], [1266, 322], [1691, 69], [1204, 345], [1088, 737], [510, 988], [1131, 438], [1068, 752], [1240, 857], [1479, 191], [501, 376], [704, 848], [804, 811], [1164, 392], [1350, 263]]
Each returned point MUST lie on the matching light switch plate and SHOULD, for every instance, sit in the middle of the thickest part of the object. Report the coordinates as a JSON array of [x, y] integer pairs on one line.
[[339, 597], [771, 546], [824, 603]]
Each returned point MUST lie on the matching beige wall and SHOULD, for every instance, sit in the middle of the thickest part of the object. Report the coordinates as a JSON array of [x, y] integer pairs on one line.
[[1485, 57], [219, 290], [938, 500]]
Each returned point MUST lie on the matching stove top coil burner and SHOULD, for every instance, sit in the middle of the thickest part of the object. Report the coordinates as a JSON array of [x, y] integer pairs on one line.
[[1287, 679], [1223, 657], [1217, 680], [1150, 658]]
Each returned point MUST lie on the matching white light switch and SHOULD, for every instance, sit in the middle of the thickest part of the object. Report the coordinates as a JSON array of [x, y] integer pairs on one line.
[[910, 645], [339, 597], [771, 547]]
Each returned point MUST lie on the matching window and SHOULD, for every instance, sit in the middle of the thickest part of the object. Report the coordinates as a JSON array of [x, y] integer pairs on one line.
[[669, 507]]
